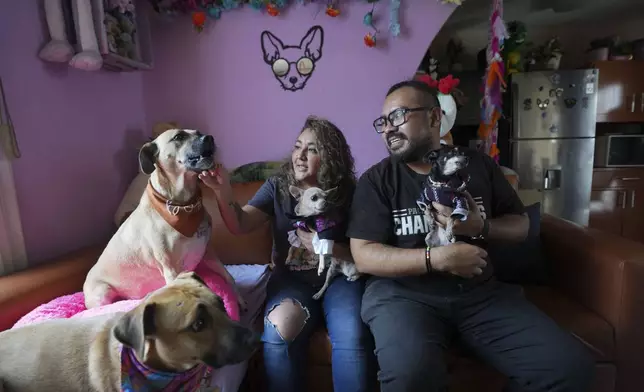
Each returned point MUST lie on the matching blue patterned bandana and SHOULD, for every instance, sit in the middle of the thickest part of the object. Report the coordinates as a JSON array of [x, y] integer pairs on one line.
[[136, 377]]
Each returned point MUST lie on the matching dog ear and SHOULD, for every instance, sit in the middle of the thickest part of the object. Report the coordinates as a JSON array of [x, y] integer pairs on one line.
[[148, 155], [134, 326], [295, 191], [431, 156], [330, 191]]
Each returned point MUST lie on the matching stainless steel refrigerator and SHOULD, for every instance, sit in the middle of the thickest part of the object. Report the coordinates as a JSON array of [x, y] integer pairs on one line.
[[552, 142]]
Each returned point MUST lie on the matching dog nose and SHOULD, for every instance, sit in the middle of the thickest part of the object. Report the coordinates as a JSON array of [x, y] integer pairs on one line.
[[208, 140], [292, 79]]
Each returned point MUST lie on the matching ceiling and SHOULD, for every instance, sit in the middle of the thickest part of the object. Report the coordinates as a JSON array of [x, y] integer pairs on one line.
[[475, 13]]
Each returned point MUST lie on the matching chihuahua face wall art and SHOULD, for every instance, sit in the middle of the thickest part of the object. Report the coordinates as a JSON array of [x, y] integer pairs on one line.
[[293, 65]]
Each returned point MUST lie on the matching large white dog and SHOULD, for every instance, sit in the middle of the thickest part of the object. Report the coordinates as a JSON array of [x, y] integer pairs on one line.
[[169, 231]]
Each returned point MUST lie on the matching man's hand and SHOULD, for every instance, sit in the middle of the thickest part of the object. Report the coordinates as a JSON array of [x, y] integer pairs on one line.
[[460, 259], [307, 239], [471, 227]]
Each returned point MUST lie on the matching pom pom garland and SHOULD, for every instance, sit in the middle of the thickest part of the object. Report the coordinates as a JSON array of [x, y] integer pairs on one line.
[[202, 10]]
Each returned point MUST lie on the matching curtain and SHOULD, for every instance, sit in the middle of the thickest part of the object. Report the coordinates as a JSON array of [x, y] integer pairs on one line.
[[13, 255]]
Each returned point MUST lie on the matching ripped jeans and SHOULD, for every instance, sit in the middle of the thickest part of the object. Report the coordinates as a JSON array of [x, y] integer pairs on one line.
[[291, 317]]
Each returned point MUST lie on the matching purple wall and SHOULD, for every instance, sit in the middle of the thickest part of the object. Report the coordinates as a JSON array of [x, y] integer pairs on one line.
[[78, 133], [217, 80]]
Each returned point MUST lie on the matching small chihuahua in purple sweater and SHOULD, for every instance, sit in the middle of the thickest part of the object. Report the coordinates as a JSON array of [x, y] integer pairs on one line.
[[445, 185]]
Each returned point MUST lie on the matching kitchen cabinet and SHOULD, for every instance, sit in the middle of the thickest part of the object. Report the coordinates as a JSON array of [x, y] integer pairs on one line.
[[617, 202], [621, 91]]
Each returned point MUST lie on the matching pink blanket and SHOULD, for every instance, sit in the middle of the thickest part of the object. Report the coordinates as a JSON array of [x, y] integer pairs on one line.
[[73, 305]]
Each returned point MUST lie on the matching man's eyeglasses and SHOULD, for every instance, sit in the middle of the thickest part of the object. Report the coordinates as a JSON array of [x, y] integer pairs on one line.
[[396, 118]]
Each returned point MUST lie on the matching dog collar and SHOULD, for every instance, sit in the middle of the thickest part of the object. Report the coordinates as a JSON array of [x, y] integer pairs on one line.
[[184, 218], [173, 207], [317, 223], [461, 187], [136, 377]]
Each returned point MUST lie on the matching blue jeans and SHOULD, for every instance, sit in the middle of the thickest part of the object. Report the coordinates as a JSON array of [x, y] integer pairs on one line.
[[291, 317]]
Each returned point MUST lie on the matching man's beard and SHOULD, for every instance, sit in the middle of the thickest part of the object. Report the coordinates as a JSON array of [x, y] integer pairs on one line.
[[414, 152]]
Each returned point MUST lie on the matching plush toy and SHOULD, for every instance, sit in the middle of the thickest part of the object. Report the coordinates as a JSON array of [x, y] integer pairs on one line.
[[446, 101], [513, 46], [58, 49], [89, 58]]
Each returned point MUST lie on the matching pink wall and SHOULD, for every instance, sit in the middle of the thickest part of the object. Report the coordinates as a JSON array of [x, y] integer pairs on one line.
[[217, 81], [78, 133]]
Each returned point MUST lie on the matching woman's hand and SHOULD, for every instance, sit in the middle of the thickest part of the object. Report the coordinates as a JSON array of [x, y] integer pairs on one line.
[[307, 239], [218, 180], [471, 227]]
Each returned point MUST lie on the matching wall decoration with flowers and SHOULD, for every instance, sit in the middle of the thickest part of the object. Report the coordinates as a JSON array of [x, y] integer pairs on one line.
[[203, 11]]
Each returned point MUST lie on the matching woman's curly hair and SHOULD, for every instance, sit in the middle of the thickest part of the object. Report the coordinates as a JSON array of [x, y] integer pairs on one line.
[[337, 166]]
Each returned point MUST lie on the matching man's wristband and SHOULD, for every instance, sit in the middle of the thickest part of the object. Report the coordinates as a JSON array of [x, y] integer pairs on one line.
[[485, 230], [428, 259]]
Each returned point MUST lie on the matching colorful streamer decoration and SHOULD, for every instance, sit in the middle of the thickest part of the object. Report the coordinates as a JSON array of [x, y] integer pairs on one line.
[[203, 10], [394, 18], [370, 39], [494, 83]]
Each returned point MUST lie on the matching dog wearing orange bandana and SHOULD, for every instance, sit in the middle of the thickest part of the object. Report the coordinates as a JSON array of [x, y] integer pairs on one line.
[[169, 231]]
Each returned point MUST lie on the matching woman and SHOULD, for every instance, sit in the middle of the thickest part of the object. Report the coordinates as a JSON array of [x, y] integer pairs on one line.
[[322, 158]]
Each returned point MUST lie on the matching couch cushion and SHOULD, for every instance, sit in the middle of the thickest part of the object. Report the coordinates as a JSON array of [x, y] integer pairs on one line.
[[521, 263], [593, 331]]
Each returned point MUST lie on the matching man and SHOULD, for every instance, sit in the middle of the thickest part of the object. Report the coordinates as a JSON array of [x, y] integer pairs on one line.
[[419, 300]]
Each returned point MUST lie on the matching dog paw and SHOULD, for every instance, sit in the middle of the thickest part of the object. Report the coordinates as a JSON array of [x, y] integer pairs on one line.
[[317, 296], [353, 278]]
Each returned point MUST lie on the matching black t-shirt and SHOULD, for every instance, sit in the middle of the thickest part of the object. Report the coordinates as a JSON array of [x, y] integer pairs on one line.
[[270, 200], [384, 208]]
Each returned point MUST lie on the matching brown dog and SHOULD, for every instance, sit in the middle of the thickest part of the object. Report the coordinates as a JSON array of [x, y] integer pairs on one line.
[[178, 328]]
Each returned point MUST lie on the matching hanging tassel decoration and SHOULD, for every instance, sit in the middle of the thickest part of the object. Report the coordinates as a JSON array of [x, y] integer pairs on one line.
[[394, 18], [498, 27], [230, 4], [368, 19], [199, 20], [272, 10], [370, 38], [493, 83], [256, 4], [332, 10], [214, 12]]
